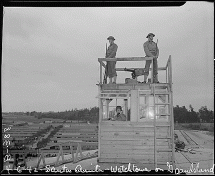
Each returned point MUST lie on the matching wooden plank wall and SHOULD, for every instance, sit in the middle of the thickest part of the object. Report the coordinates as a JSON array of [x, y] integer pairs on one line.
[[134, 143]]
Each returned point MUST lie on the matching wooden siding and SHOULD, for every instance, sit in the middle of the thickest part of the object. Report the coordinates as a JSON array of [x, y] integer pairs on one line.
[[131, 142]]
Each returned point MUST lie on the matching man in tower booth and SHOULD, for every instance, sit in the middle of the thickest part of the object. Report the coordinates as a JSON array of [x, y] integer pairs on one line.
[[119, 115]]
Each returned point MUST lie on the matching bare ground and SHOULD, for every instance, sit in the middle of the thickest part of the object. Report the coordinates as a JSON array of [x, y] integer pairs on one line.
[[199, 162], [202, 159]]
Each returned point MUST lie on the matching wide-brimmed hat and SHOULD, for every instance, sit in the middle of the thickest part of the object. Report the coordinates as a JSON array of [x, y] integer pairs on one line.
[[111, 37], [150, 34]]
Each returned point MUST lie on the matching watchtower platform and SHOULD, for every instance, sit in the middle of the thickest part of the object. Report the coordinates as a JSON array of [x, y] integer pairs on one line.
[[146, 138]]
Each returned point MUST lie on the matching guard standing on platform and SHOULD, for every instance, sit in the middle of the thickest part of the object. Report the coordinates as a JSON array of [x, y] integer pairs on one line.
[[151, 50], [110, 69]]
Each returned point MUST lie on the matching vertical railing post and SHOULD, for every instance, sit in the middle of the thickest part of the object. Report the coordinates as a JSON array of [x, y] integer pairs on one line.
[[134, 105], [100, 104], [155, 127], [138, 105], [147, 105], [170, 76], [107, 107], [102, 110], [152, 79], [72, 151], [171, 109], [126, 108], [100, 120], [166, 72], [100, 72]]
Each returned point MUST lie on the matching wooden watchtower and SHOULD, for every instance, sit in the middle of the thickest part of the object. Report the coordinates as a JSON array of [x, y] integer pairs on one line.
[[146, 139]]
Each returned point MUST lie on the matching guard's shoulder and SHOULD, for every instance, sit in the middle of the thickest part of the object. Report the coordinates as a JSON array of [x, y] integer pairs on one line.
[[115, 44], [145, 43]]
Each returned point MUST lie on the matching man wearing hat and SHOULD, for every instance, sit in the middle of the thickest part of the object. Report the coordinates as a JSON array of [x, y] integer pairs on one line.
[[119, 115], [110, 69], [151, 50]]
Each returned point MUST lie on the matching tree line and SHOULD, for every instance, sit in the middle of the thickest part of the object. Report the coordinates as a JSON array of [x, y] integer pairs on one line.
[[184, 115], [181, 114], [87, 115]]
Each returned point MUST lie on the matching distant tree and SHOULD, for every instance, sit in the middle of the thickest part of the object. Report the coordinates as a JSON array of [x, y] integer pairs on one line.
[[33, 113], [192, 115], [94, 114], [180, 114], [206, 115]]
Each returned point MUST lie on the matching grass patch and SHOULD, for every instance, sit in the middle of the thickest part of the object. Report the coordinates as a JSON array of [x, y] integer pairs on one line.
[[195, 126], [210, 133]]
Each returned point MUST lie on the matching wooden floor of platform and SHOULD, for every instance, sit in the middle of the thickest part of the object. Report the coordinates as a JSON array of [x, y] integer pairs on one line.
[[141, 86]]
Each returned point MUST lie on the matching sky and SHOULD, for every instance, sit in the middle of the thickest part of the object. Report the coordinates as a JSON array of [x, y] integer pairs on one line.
[[50, 54]]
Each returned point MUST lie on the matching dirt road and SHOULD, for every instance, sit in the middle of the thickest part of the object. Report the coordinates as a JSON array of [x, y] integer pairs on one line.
[[201, 160]]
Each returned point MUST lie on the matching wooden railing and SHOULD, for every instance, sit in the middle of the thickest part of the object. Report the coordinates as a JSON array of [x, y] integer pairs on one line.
[[121, 59], [168, 67], [169, 72], [76, 156]]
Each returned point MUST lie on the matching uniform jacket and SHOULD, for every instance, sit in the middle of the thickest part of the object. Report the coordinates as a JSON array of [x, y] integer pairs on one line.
[[120, 117], [151, 49], [111, 51]]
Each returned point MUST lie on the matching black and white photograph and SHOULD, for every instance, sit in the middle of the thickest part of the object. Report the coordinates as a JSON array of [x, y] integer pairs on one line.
[[113, 89]]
